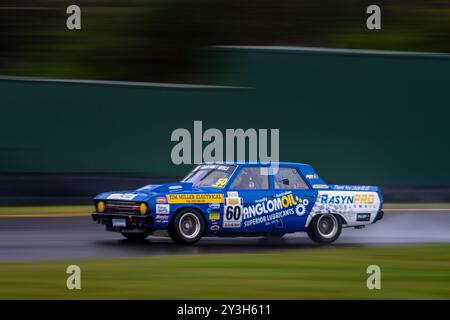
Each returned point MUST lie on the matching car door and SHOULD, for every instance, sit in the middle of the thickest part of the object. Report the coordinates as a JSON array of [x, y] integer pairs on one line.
[[296, 196], [245, 210]]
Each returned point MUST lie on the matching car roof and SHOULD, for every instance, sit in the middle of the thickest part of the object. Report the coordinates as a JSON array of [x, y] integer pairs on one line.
[[280, 164], [304, 168], [257, 163]]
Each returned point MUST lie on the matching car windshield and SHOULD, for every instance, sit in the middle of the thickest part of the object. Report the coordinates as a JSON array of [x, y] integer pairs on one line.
[[215, 176]]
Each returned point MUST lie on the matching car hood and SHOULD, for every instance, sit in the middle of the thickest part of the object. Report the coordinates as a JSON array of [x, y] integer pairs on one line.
[[151, 190]]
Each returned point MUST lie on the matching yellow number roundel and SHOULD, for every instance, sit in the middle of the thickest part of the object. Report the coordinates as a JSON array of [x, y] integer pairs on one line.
[[220, 183]]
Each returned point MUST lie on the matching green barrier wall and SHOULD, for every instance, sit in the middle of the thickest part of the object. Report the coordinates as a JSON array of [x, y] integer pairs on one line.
[[359, 118]]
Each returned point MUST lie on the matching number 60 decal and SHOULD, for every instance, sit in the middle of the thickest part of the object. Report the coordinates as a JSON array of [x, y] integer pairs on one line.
[[233, 213]]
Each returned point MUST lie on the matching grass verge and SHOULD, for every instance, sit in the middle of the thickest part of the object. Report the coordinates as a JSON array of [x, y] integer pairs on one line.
[[45, 211], [421, 272]]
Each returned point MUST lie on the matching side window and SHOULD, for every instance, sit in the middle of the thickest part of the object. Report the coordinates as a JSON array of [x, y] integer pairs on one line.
[[250, 178], [289, 178]]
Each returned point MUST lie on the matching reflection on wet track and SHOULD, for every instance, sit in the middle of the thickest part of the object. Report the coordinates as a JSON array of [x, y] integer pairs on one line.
[[80, 237]]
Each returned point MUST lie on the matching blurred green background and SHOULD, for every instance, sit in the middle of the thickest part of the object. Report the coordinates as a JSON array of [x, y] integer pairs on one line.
[[359, 118], [163, 40]]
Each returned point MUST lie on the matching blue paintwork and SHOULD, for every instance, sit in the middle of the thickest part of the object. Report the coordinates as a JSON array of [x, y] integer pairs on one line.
[[293, 218]]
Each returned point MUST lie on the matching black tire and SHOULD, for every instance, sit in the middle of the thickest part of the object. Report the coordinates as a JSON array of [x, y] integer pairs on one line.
[[324, 228], [311, 234], [187, 227], [136, 236]]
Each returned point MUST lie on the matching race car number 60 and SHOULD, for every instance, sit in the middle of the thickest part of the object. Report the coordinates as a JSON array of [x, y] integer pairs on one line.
[[233, 213]]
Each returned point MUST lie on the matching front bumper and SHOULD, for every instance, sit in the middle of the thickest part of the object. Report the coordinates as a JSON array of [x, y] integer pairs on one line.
[[133, 222]]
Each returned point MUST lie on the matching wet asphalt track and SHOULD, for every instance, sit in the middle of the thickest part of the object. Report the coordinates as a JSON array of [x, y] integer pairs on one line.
[[79, 237]]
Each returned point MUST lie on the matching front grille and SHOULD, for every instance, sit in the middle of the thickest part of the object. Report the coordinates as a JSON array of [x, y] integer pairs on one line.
[[139, 222], [122, 206]]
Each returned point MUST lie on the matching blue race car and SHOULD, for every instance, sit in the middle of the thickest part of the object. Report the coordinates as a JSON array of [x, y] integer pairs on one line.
[[242, 199]]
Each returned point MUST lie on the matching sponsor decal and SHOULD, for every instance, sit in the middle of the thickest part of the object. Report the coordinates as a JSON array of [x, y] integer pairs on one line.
[[220, 183], [233, 201], [320, 186], [300, 209], [215, 227], [352, 188], [122, 196], [265, 210], [232, 217], [175, 187], [312, 176], [233, 194], [195, 198], [162, 208], [269, 206], [359, 198], [214, 216], [347, 203], [273, 210], [213, 167], [162, 218], [161, 200], [363, 217], [214, 206]]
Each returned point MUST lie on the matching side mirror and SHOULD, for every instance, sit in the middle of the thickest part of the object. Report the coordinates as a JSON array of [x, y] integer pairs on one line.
[[285, 182]]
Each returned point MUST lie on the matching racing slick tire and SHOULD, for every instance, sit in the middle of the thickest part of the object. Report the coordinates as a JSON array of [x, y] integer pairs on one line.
[[324, 228], [187, 227], [136, 236]]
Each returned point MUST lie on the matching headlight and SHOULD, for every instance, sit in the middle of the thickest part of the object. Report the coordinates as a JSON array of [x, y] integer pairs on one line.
[[143, 208], [100, 206]]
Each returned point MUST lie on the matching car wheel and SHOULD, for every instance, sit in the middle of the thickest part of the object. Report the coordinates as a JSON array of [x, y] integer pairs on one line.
[[136, 236], [324, 228], [187, 227]]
